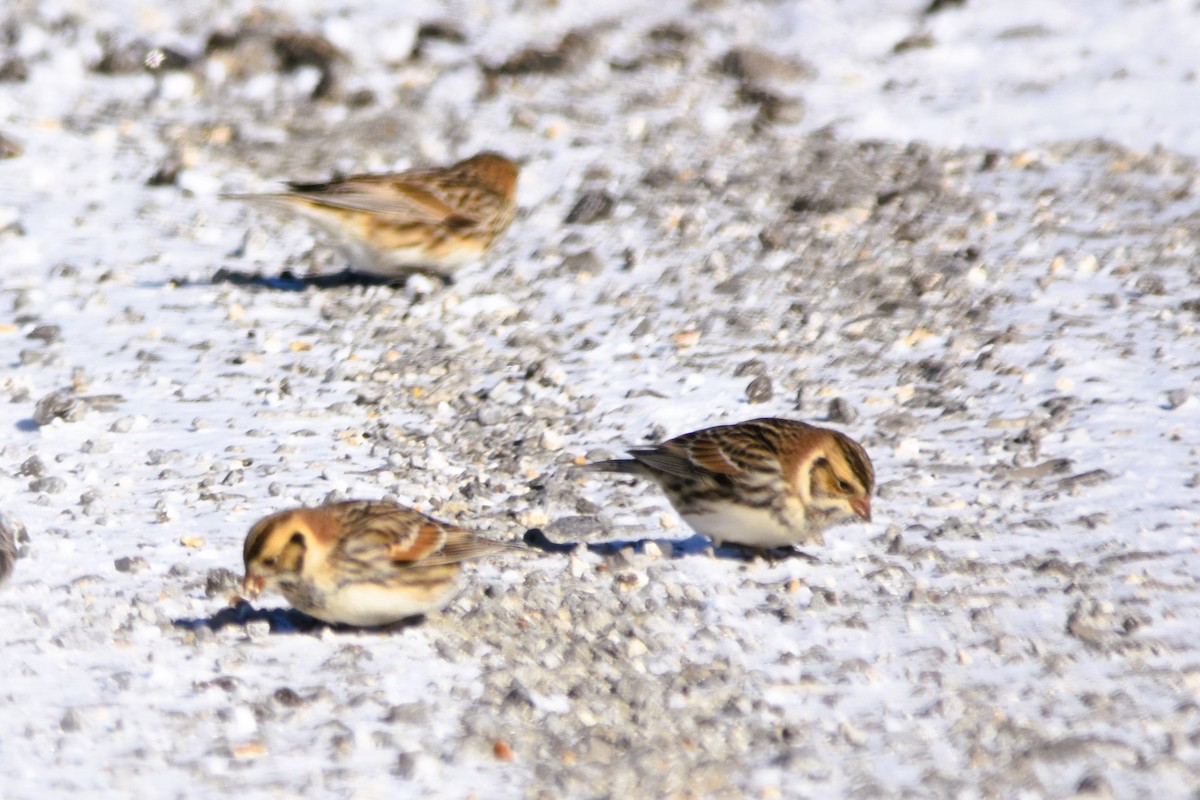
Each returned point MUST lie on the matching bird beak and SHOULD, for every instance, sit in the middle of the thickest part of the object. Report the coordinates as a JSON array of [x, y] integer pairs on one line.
[[253, 584], [862, 507]]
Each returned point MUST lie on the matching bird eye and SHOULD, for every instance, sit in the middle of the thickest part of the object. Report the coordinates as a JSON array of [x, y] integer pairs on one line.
[[845, 488], [268, 562]]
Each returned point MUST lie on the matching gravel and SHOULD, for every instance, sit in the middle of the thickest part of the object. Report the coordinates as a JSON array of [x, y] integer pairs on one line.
[[1007, 331]]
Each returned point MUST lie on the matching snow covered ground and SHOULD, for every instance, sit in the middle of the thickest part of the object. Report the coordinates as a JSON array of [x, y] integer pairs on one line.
[[975, 227]]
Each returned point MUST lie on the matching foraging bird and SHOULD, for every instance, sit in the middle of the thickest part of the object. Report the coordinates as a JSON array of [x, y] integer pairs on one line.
[[393, 224], [359, 562], [763, 483]]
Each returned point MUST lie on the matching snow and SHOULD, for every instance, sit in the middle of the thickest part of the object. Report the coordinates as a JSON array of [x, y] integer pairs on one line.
[[988, 634]]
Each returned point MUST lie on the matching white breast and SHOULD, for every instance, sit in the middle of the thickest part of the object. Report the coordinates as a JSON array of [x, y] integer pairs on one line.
[[753, 527], [369, 604]]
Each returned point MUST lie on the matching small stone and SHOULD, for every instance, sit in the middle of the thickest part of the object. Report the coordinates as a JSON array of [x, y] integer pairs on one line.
[[46, 333], [167, 173], [567, 54], [940, 5], [591, 207], [917, 41], [551, 440], [759, 390], [1093, 785], [250, 750], [758, 67], [1176, 398], [585, 262], [49, 484], [406, 766], [70, 721], [99, 447], [841, 411], [32, 467], [754, 366], [657, 549], [258, 629], [9, 147], [131, 564], [8, 550], [59, 404], [1090, 478], [1151, 284]]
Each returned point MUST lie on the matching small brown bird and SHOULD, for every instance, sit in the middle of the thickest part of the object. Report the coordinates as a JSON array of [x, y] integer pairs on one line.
[[359, 562], [763, 483], [393, 224]]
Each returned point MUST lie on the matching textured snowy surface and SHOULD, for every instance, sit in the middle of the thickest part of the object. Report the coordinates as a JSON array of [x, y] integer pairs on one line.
[[984, 244]]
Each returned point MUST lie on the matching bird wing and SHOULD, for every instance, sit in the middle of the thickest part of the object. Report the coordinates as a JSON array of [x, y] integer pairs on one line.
[[379, 529], [687, 459], [713, 455], [408, 538], [462, 545], [393, 196], [726, 452]]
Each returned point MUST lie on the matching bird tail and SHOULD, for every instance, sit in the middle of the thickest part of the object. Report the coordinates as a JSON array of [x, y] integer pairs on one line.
[[627, 466]]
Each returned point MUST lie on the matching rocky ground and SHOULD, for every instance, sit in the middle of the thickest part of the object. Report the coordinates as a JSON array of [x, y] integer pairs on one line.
[[1010, 332]]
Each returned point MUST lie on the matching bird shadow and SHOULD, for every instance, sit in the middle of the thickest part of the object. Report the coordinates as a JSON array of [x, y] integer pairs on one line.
[[281, 621], [288, 281], [679, 548]]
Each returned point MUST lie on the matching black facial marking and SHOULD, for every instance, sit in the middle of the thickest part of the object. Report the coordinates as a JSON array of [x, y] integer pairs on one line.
[[254, 545], [860, 465]]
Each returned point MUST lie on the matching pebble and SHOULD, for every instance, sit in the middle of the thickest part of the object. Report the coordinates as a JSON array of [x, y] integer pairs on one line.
[[50, 484], [60, 404], [591, 207], [657, 549], [1177, 397], [551, 440], [841, 411], [760, 390], [131, 564], [9, 530]]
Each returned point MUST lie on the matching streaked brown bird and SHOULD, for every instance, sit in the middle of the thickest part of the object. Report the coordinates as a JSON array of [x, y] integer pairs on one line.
[[763, 483], [359, 562], [422, 220]]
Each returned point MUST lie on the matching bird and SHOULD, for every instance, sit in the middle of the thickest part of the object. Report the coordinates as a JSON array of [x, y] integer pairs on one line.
[[8, 552], [394, 224], [359, 562], [765, 483]]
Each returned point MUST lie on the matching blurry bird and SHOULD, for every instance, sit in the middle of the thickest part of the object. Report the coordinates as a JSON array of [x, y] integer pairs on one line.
[[394, 224], [359, 562], [763, 483]]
